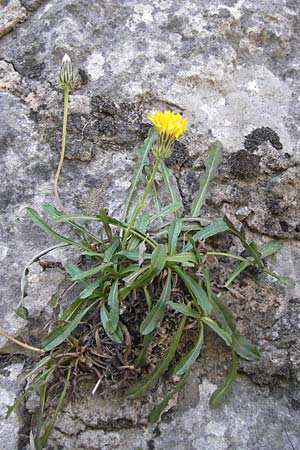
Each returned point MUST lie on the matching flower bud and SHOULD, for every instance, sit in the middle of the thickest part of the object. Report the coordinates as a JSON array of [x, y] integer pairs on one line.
[[66, 76]]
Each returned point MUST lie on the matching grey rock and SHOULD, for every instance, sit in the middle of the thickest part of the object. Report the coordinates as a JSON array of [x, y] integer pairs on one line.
[[11, 13], [250, 419], [232, 67], [9, 389]]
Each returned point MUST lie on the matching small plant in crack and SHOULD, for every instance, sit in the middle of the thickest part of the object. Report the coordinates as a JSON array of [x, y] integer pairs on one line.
[[146, 283]]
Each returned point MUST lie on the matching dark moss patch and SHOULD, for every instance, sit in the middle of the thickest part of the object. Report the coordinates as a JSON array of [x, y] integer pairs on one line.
[[261, 135], [244, 164], [180, 156]]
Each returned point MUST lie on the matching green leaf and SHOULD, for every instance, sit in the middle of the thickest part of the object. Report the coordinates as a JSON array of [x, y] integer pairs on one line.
[[158, 259], [141, 388], [69, 312], [223, 315], [184, 309], [133, 255], [207, 283], [90, 288], [242, 266], [251, 248], [216, 227], [60, 333], [109, 252], [219, 395], [113, 315], [156, 314], [270, 248], [286, 280], [117, 335], [36, 218], [141, 224], [18, 400], [189, 359], [197, 292], [55, 214], [165, 211], [140, 164], [101, 217], [88, 273], [187, 259], [246, 349], [212, 164], [227, 338], [173, 235], [142, 357], [166, 174], [134, 275], [158, 410], [44, 439]]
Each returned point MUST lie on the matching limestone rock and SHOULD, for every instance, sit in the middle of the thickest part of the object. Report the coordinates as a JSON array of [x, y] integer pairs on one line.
[[11, 13], [231, 67]]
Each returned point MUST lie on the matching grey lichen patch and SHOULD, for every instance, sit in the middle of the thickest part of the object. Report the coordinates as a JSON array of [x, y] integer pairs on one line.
[[11, 13]]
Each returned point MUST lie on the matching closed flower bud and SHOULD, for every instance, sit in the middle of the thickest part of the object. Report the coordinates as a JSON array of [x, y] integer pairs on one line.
[[66, 76]]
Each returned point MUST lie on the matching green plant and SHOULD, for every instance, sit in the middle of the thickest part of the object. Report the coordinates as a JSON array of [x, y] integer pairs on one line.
[[135, 264]]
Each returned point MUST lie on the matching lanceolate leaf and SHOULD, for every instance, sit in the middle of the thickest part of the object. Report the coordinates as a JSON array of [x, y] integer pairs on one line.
[[223, 315], [242, 266], [158, 259], [156, 314], [227, 338], [141, 388], [212, 164], [90, 288], [141, 162], [219, 395], [251, 248], [35, 217], [188, 360], [60, 334], [69, 312], [187, 259], [173, 234], [117, 335], [105, 219], [108, 254], [270, 248], [184, 309], [245, 348], [216, 227], [166, 174], [157, 411], [166, 210], [113, 315], [90, 272], [195, 290], [142, 357]]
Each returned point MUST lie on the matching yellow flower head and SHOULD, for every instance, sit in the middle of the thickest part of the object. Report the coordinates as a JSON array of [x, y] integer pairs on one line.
[[168, 124]]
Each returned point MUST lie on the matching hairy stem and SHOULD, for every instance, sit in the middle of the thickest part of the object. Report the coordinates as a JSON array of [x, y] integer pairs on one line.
[[141, 201], [63, 148]]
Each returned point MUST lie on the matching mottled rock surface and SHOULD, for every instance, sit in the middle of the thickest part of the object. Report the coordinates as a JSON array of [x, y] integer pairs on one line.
[[11, 13], [232, 67]]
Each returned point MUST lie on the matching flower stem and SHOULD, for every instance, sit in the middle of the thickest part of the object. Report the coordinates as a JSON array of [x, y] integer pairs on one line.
[[63, 148], [142, 201]]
